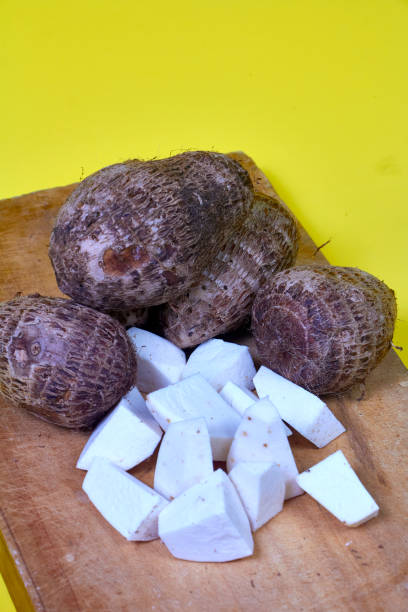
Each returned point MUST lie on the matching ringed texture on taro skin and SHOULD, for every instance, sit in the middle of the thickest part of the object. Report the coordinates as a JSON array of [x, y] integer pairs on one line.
[[221, 300], [323, 327], [138, 234], [64, 362]]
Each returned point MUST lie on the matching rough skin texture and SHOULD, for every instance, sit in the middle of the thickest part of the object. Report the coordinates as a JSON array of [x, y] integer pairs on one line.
[[325, 328], [64, 362], [138, 234], [221, 301]]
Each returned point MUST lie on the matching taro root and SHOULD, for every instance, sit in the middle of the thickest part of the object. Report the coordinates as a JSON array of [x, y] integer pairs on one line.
[[324, 328], [138, 234], [221, 301], [66, 363]]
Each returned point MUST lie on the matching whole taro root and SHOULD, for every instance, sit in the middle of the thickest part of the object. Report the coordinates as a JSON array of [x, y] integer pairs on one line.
[[221, 301], [138, 234], [66, 363], [325, 328]]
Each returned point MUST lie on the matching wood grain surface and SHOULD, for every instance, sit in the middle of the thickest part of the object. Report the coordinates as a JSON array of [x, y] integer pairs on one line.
[[70, 559]]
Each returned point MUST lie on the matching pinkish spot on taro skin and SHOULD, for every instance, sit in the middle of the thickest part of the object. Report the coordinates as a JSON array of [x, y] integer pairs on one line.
[[20, 355], [35, 344], [124, 261]]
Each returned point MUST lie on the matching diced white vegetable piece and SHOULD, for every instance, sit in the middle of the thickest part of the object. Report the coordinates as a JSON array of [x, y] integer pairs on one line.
[[335, 485], [241, 399], [127, 436], [184, 457], [126, 503], [219, 362], [191, 398], [261, 488], [261, 437], [159, 362], [207, 522], [238, 397], [304, 411]]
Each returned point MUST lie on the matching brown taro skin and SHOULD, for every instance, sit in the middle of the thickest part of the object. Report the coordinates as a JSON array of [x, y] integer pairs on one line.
[[221, 301], [63, 362], [322, 327], [139, 233]]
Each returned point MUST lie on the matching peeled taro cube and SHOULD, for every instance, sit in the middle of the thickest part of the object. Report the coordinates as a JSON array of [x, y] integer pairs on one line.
[[125, 502], [207, 522]]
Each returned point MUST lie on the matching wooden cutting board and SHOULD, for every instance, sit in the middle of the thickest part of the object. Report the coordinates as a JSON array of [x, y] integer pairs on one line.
[[70, 559]]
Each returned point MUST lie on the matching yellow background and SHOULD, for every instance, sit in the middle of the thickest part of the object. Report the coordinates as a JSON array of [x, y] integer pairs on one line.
[[315, 91], [6, 605]]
